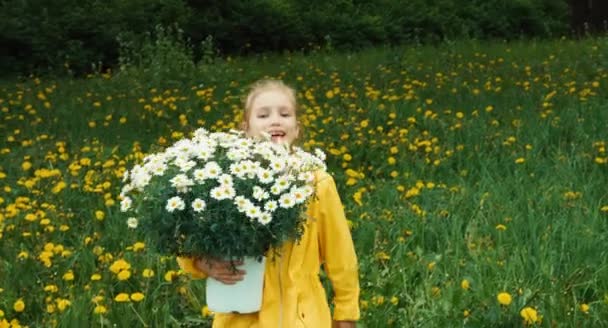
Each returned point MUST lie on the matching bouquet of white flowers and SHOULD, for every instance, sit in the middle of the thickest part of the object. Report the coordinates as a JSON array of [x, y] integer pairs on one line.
[[221, 195]]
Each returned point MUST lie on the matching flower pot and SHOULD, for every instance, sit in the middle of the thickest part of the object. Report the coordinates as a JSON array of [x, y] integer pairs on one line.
[[243, 297]]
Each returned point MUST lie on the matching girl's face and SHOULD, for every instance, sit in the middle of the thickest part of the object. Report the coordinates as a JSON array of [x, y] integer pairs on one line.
[[273, 112]]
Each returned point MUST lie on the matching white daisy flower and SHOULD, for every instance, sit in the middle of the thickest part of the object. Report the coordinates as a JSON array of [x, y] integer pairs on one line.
[[253, 212], [184, 164], [198, 205], [277, 165], [264, 218], [287, 200], [212, 170], [282, 183], [241, 203], [275, 189], [158, 169], [223, 192], [271, 205], [225, 179], [258, 193], [132, 223], [175, 203], [204, 153], [200, 175], [299, 195], [265, 176], [125, 204], [182, 183], [306, 176], [236, 170], [320, 154]]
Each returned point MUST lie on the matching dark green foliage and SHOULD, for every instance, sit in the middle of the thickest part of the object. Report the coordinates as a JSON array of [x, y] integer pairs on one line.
[[70, 35]]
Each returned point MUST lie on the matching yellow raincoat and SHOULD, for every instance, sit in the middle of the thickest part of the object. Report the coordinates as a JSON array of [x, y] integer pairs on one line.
[[293, 295]]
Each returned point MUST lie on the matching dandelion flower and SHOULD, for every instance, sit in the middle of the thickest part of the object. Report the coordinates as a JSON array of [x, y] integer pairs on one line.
[[137, 297], [504, 298], [19, 306], [529, 315], [122, 297]]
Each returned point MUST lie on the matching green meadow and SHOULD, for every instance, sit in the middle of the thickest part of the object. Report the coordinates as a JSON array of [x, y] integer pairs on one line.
[[474, 176]]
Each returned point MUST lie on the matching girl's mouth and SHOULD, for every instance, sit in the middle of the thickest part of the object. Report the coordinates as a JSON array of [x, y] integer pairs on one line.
[[277, 135]]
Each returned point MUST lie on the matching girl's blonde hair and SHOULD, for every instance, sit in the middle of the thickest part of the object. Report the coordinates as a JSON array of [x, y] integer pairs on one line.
[[266, 85]]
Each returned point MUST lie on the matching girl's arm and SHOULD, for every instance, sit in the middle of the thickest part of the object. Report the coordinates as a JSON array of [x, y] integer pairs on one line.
[[338, 252]]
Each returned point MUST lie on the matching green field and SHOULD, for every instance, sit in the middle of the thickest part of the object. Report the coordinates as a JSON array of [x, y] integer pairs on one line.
[[467, 170]]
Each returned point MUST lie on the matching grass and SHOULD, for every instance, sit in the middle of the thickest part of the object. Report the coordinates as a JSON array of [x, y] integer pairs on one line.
[[466, 170]]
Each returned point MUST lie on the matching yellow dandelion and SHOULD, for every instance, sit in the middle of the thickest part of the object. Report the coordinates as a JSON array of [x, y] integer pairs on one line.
[[465, 284], [584, 308], [529, 315], [137, 297], [205, 312], [68, 276], [122, 297], [170, 275], [148, 273], [504, 298], [100, 309], [124, 275], [19, 306]]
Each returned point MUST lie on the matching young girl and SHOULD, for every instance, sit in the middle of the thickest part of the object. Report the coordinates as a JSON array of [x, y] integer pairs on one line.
[[293, 295]]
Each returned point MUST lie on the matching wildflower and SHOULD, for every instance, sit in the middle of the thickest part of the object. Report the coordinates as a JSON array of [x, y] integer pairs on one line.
[[198, 205], [122, 297], [19, 306], [119, 265], [504, 298], [170, 276], [584, 308], [139, 246], [205, 312], [520, 160], [394, 300], [68, 276], [100, 309], [175, 203], [501, 227], [132, 223], [124, 275], [137, 297], [62, 304], [148, 273], [529, 315], [100, 215], [465, 284]]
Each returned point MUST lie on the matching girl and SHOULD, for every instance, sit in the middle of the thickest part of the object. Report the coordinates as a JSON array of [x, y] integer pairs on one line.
[[293, 295]]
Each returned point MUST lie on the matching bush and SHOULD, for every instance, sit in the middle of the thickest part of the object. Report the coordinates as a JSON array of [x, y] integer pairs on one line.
[[75, 34]]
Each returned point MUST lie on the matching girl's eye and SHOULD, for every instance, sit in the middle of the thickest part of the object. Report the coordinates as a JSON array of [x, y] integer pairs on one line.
[[286, 114], [262, 115]]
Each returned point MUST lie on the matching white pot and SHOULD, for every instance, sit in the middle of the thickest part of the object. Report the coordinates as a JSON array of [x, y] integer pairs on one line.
[[243, 297]]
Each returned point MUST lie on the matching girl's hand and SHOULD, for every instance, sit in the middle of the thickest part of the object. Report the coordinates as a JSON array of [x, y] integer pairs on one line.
[[221, 271], [344, 324]]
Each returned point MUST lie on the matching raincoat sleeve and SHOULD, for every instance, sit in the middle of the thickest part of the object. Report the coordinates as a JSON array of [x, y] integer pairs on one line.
[[187, 264], [337, 250]]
